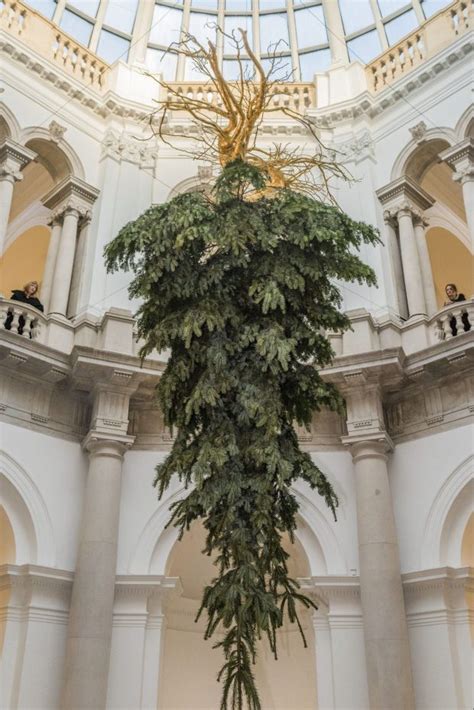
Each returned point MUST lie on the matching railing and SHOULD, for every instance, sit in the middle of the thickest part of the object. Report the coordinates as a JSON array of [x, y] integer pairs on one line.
[[453, 320], [21, 319], [422, 44], [42, 36], [296, 97], [116, 331]]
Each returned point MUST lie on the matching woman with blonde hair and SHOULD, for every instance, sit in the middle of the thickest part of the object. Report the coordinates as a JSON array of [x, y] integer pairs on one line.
[[26, 295]]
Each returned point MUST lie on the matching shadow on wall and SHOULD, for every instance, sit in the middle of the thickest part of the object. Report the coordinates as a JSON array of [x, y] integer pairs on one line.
[[24, 260], [451, 262]]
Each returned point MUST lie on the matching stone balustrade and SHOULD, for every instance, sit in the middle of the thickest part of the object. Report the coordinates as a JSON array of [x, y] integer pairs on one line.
[[295, 96], [454, 319], [45, 38], [115, 331], [436, 34], [23, 320]]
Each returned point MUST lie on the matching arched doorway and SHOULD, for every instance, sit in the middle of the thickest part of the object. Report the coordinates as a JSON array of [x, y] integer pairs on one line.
[[190, 664]]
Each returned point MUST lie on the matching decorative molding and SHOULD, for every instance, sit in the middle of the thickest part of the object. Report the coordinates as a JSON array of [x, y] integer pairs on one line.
[[56, 131], [418, 131], [14, 157], [133, 149], [72, 193], [404, 194], [354, 149]]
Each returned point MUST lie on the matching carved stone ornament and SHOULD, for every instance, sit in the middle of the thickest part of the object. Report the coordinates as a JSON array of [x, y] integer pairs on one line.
[[56, 131], [133, 149], [355, 148], [418, 131], [205, 173]]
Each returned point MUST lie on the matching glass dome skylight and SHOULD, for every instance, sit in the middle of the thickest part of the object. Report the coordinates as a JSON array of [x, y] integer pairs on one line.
[[310, 34]]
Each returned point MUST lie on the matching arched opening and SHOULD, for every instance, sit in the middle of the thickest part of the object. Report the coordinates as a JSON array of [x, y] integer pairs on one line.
[[425, 192], [190, 664], [7, 557], [25, 258], [451, 262], [454, 527], [27, 237]]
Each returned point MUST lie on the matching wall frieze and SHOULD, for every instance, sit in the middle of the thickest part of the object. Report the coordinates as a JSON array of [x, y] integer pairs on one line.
[[354, 149], [133, 149]]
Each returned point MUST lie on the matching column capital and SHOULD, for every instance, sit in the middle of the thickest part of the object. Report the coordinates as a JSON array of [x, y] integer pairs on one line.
[[404, 194], [71, 194], [461, 159], [99, 443], [364, 446], [14, 157], [464, 174]]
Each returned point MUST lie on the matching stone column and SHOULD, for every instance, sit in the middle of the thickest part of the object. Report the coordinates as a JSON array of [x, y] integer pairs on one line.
[[91, 612], [461, 159], [48, 274], [388, 665], [72, 199], [79, 264], [385, 628], [396, 263], [466, 179], [425, 264], [404, 199], [13, 157], [411, 262], [64, 263]]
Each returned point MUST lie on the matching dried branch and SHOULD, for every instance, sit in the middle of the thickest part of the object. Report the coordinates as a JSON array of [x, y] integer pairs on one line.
[[228, 116]]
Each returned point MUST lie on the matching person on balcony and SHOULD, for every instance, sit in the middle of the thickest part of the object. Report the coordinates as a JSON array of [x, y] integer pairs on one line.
[[455, 297], [26, 295]]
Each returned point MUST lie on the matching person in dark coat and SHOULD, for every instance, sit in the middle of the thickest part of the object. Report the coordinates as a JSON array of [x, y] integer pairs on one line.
[[26, 295], [455, 297]]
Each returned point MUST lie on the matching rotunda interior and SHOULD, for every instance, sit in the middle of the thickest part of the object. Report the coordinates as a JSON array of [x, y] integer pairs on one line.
[[98, 597]]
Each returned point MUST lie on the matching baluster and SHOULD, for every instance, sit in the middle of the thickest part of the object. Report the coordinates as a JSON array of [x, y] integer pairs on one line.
[[439, 331], [35, 328], [446, 326], [4, 311], [469, 309], [15, 318], [27, 324]]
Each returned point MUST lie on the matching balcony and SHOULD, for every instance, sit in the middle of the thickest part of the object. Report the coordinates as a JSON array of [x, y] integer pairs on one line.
[[115, 331], [423, 44], [47, 40]]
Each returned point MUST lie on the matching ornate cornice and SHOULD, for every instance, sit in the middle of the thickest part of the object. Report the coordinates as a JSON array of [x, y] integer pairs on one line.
[[14, 157], [460, 152], [404, 194], [71, 194]]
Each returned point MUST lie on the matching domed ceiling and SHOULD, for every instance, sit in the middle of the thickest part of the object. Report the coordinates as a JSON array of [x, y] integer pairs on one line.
[[308, 35]]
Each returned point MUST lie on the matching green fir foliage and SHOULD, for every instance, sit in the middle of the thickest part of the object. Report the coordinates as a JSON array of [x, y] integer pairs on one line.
[[242, 293]]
